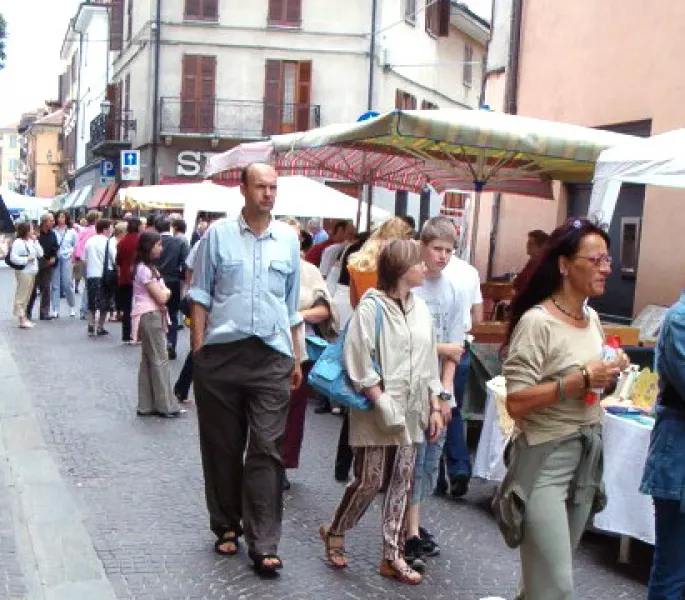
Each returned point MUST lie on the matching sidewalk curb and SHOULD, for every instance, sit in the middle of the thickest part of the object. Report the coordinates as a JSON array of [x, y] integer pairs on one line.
[[54, 549]]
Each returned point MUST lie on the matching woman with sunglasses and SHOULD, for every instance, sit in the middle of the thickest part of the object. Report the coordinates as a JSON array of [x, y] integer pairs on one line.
[[555, 374]]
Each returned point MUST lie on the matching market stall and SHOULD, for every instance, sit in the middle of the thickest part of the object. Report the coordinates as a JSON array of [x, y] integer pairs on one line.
[[296, 197], [626, 434], [658, 160], [22, 206]]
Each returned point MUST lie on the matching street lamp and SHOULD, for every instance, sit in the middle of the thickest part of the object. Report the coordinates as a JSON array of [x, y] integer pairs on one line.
[[105, 107], [48, 157]]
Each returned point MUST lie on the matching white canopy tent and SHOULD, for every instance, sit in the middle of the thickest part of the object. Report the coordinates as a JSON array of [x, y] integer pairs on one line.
[[30, 206], [297, 197], [659, 160]]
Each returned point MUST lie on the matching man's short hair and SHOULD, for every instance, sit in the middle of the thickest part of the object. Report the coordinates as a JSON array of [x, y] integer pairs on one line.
[[179, 225], [409, 220], [133, 225], [162, 224], [102, 225], [92, 217], [340, 225], [438, 228], [539, 237]]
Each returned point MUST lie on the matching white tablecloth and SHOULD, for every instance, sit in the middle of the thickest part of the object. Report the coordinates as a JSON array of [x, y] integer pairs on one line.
[[626, 443]]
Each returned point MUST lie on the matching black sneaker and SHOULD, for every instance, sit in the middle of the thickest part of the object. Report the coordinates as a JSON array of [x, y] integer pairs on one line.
[[102, 332], [323, 407], [171, 353], [459, 485], [413, 554], [91, 330], [429, 546], [286, 483]]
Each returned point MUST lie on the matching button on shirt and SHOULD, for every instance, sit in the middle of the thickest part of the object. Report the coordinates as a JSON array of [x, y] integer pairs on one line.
[[249, 284]]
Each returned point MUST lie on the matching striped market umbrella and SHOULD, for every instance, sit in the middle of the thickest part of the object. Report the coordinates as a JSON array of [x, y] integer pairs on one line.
[[449, 149]]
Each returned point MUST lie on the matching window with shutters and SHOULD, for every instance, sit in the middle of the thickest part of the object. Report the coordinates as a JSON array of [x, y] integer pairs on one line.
[[198, 94], [285, 13], [287, 96], [404, 100], [410, 11], [201, 10], [467, 75], [129, 20], [425, 105], [438, 17], [116, 25]]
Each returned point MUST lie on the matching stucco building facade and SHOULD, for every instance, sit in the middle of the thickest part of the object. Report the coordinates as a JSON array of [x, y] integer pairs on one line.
[[610, 64]]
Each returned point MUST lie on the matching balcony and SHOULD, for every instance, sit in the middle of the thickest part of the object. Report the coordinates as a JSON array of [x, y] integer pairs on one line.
[[109, 134], [234, 119]]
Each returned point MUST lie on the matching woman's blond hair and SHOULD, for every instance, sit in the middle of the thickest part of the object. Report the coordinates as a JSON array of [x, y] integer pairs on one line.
[[366, 259]]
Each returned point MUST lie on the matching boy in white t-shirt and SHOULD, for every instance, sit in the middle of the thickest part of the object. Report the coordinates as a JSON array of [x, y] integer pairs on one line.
[[437, 243]]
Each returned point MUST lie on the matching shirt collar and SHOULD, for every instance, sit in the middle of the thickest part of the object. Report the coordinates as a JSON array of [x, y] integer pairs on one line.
[[270, 231]]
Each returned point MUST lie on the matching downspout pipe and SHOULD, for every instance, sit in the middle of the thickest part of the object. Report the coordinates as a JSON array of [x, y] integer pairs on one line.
[[154, 176], [510, 107], [369, 101]]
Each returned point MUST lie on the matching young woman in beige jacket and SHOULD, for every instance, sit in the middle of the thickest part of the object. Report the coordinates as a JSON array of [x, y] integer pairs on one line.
[[409, 383]]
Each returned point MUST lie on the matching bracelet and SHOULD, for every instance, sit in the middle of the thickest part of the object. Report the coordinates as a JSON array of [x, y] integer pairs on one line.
[[586, 376], [562, 396]]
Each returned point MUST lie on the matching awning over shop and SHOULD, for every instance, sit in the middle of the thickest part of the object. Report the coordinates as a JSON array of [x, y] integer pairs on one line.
[[96, 197], [69, 199], [58, 202], [83, 197], [109, 196]]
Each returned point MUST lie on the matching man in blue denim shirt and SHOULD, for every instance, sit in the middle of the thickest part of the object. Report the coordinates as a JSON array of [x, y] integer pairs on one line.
[[244, 314], [664, 476]]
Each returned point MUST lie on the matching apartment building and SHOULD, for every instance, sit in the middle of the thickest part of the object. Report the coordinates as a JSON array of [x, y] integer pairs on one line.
[[227, 71], [9, 157], [83, 92], [42, 144]]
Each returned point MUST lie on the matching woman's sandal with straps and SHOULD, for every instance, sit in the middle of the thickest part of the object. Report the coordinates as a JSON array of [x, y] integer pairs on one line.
[[335, 554], [228, 538], [402, 574]]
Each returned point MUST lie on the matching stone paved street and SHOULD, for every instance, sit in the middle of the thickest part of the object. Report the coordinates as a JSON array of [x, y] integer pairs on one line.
[[136, 486]]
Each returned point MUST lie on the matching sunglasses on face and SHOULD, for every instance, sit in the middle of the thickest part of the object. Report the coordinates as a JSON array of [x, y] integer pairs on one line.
[[597, 259]]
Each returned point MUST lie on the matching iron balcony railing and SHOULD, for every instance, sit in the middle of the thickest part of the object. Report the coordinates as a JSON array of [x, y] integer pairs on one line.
[[114, 127], [236, 119]]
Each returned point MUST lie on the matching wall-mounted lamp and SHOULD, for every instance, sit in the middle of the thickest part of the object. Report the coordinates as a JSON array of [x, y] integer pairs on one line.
[[105, 107], [214, 142], [168, 140]]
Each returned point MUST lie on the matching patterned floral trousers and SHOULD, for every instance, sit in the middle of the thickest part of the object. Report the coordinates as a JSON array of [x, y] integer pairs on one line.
[[376, 468]]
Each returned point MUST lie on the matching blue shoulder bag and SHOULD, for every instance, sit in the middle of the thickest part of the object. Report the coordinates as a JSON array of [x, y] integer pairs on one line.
[[329, 376]]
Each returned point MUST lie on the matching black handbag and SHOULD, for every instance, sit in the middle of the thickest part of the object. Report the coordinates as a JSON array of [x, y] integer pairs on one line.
[[110, 279], [10, 263]]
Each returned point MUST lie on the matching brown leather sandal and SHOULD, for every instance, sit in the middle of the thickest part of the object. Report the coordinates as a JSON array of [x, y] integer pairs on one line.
[[404, 575], [335, 554]]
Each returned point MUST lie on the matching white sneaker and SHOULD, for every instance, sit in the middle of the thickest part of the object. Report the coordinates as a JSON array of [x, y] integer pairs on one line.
[[54, 314], [72, 312]]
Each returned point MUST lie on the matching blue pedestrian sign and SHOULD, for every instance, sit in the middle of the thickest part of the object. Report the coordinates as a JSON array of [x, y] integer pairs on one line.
[[107, 172], [130, 165]]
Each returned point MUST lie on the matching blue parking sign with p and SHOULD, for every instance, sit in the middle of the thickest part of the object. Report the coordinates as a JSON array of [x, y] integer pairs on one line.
[[107, 168]]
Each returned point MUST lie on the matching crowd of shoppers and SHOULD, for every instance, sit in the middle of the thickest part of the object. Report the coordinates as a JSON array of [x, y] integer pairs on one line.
[[255, 294]]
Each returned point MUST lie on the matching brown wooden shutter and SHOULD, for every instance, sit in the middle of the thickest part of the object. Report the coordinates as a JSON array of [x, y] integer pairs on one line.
[[110, 94], [129, 20], [293, 12], [304, 94], [273, 93], [443, 10], [206, 94], [210, 10], [276, 11], [116, 26], [399, 98], [189, 77], [192, 9]]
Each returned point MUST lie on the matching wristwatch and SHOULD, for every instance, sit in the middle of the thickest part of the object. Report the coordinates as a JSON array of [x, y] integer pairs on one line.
[[445, 396]]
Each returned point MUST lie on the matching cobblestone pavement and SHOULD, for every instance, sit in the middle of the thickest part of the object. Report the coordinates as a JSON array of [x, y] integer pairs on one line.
[[138, 485]]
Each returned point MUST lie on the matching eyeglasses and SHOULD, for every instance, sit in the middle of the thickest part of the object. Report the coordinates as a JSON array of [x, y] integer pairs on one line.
[[597, 259]]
